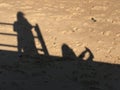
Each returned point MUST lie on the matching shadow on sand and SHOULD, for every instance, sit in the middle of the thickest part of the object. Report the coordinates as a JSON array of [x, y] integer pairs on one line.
[[66, 72]]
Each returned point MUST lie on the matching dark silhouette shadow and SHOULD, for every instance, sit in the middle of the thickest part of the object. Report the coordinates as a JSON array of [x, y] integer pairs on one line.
[[25, 38], [82, 55], [56, 71], [81, 74], [41, 40], [67, 52]]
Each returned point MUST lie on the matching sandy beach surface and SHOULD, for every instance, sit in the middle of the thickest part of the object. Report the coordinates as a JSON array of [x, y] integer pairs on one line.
[[94, 24]]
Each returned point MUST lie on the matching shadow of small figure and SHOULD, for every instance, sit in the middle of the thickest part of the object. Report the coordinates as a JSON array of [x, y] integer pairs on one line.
[[82, 55], [25, 38], [67, 52]]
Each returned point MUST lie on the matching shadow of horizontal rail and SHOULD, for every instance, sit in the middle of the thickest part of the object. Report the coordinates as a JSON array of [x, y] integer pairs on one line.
[[8, 34], [8, 45], [2, 23], [13, 46]]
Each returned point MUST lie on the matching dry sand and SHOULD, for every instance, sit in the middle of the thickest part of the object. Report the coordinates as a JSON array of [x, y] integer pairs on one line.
[[80, 23], [94, 24]]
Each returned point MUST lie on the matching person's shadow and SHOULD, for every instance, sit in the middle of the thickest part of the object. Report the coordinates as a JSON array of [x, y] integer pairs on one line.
[[25, 38], [68, 53]]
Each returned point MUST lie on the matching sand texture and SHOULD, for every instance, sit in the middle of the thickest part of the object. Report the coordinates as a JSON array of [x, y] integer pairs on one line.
[[64, 29]]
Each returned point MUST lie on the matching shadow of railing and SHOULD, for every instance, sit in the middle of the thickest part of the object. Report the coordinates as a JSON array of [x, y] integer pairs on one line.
[[39, 37], [89, 74]]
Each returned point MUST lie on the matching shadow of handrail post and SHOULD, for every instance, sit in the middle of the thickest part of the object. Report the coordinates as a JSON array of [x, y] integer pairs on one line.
[[40, 37]]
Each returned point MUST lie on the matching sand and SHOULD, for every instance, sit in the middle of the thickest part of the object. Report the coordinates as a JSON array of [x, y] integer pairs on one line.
[[93, 24]]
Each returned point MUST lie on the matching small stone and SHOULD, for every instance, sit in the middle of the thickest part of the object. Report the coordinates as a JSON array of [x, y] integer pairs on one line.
[[93, 19]]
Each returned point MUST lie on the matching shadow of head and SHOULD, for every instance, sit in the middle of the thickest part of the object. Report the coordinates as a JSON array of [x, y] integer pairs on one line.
[[20, 15]]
